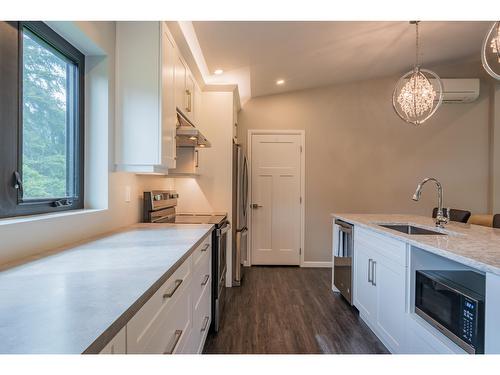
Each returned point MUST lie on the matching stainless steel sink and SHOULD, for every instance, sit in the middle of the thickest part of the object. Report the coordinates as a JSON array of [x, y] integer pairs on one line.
[[410, 229]]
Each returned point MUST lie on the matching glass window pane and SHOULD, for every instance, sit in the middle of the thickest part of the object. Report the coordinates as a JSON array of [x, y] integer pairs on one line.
[[46, 133]]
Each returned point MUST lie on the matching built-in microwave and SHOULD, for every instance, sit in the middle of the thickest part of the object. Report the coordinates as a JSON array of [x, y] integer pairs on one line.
[[453, 302]]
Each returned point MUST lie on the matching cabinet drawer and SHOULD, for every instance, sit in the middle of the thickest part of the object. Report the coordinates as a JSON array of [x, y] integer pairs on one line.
[[392, 249], [203, 251], [117, 345], [201, 322], [201, 280], [168, 310], [166, 333]]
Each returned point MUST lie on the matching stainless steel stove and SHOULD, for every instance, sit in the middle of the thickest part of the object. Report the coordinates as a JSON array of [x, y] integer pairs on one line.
[[160, 207]]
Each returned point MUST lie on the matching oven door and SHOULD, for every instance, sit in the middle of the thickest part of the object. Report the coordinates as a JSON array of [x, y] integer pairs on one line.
[[222, 251], [219, 272]]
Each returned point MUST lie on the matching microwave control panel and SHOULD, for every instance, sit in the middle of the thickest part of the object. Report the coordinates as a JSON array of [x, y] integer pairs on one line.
[[469, 319]]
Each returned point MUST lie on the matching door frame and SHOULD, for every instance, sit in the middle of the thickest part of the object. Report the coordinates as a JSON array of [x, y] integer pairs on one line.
[[302, 135]]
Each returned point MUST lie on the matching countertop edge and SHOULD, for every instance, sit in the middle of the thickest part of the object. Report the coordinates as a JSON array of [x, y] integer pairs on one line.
[[447, 254], [104, 338]]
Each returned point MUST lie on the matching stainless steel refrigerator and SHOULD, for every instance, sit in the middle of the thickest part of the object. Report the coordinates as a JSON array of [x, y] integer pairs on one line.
[[240, 213]]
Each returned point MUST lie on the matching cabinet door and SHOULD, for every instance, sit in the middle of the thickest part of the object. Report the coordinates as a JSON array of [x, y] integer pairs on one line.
[[180, 84], [190, 97], [168, 117], [137, 95], [390, 280], [365, 298], [197, 106]]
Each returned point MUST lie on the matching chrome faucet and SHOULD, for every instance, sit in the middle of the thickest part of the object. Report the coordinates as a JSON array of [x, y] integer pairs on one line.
[[441, 219]]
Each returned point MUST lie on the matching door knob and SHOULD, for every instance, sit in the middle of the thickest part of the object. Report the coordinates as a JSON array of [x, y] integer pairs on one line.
[[255, 206]]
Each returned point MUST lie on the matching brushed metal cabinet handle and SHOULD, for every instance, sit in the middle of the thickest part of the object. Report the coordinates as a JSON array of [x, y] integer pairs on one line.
[[205, 248], [205, 324], [374, 273], [177, 285], [188, 95], [175, 341], [205, 281], [369, 270]]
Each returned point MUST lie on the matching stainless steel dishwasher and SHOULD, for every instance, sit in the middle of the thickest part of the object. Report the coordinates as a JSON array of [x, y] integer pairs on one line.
[[342, 261]]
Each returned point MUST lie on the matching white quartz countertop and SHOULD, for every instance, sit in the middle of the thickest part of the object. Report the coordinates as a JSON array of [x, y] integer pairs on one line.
[[472, 245], [76, 300]]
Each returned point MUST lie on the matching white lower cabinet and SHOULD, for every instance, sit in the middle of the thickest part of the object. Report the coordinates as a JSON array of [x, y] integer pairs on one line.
[[201, 290], [423, 341], [391, 304], [177, 317], [365, 297], [380, 286]]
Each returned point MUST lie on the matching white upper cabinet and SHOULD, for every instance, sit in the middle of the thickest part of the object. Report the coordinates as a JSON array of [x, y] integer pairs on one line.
[[180, 84], [185, 89], [148, 75], [197, 107], [190, 97], [169, 117]]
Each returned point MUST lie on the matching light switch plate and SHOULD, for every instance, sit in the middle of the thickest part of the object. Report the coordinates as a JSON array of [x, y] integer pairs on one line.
[[127, 194]]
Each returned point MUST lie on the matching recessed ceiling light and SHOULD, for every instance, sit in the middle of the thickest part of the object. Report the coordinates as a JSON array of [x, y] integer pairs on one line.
[[280, 81], [218, 71]]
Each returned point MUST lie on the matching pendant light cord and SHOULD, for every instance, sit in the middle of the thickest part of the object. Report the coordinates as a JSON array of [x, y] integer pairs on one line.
[[417, 45]]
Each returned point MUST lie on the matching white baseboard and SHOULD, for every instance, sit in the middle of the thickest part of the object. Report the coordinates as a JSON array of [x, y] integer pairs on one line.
[[316, 264]]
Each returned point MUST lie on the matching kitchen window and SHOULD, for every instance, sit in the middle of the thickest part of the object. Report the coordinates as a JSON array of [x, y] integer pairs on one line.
[[42, 124]]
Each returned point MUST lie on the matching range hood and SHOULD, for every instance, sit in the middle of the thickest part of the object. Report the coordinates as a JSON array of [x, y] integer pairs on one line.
[[188, 135]]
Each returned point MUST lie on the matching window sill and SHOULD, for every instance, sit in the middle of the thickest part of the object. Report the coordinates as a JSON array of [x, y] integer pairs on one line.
[[49, 216]]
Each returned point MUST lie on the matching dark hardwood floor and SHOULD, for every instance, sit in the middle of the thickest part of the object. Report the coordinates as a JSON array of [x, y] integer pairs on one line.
[[290, 310]]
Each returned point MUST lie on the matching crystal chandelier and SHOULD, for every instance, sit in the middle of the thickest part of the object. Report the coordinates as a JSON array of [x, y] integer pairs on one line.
[[490, 53], [418, 93]]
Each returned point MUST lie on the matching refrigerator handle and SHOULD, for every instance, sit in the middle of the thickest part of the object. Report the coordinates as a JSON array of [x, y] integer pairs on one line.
[[245, 186]]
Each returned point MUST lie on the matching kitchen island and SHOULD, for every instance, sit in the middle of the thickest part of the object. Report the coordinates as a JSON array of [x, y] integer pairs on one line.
[[473, 245], [384, 267], [79, 299]]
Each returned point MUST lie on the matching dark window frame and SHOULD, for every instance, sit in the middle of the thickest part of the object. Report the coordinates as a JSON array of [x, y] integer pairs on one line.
[[11, 201]]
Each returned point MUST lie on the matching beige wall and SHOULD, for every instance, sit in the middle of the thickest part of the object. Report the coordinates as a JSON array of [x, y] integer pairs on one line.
[[361, 158], [495, 148], [211, 191]]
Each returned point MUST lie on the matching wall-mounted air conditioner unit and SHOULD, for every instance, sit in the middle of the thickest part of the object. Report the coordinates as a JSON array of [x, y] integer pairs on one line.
[[460, 90]]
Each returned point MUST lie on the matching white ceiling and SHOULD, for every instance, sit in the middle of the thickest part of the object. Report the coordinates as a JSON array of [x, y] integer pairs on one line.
[[313, 54]]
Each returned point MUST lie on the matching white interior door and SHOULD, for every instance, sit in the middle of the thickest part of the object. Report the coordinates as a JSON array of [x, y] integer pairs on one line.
[[276, 199]]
